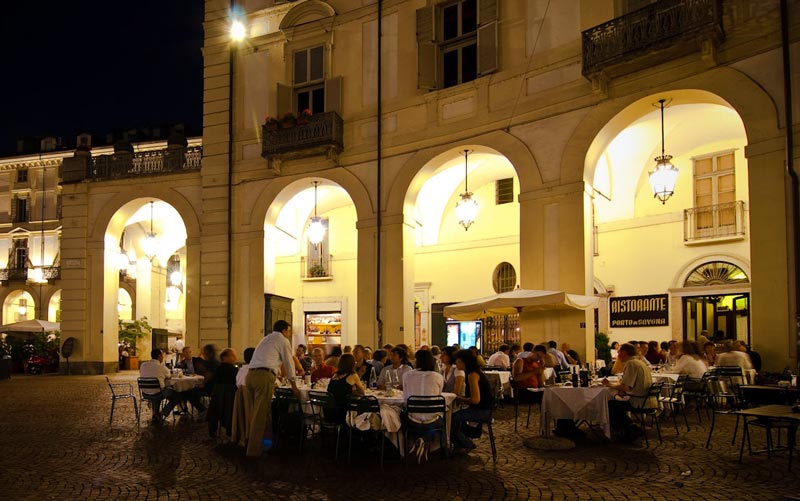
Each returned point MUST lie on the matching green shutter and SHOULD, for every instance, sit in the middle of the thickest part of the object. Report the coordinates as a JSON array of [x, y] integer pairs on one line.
[[487, 37], [427, 50]]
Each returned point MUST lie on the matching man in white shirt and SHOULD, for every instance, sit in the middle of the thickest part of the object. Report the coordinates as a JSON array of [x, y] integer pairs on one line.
[[500, 358], [156, 368], [399, 363], [272, 352], [561, 360]]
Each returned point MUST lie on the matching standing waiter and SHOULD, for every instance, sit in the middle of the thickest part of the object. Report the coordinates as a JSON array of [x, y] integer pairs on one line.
[[272, 352]]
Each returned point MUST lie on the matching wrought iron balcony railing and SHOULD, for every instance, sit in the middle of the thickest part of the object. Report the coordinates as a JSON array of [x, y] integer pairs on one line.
[[659, 25], [316, 268], [714, 222], [13, 274], [145, 163], [320, 130]]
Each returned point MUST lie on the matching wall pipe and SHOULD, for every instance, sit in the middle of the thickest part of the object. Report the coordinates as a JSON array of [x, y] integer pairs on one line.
[[789, 131], [378, 317], [231, 68]]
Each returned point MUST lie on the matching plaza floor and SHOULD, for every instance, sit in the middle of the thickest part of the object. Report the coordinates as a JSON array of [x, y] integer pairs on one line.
[[55, 442]]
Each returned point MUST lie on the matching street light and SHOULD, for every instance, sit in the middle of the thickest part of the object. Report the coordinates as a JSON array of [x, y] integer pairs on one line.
[[316, 230], [467, 207], [150, 244], [238, 31], [664, 176]]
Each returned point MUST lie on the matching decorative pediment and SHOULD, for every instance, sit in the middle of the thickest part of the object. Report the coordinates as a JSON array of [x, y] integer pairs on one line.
[[311, 14]]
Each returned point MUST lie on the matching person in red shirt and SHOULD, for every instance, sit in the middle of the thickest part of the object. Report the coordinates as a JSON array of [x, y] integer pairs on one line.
[[320, 370]]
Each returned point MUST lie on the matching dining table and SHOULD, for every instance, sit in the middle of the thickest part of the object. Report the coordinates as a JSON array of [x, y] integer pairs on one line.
[[587, 404], [184, 382], [775, 415]]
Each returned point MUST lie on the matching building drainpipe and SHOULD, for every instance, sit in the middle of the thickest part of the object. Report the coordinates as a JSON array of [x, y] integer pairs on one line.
[[231, 67], [378, 317], [787, 109]]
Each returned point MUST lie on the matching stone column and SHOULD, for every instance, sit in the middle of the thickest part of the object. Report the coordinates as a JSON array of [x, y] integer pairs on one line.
[[772, 283], [555, 254]]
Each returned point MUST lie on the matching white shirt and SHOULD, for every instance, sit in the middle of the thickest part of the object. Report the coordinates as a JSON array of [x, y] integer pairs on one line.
[[154, 368], [272, 352], [734, 358], [241, 376], [499, 359], [179, 345], [400, 372], [422, 383], [694, 367]]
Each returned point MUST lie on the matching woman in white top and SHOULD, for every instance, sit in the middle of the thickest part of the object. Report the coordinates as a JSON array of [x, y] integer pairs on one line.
[[690, 362], [423, 381], [453, 376]]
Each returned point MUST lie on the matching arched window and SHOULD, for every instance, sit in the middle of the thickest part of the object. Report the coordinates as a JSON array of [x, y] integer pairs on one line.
[[504, 277], [716, 273]]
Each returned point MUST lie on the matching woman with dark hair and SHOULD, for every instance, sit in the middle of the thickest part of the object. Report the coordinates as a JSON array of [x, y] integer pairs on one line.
[[709, 354], [333, 358], [423, 381], [479, 398], [344, 383], [206, 365], [453, 376]]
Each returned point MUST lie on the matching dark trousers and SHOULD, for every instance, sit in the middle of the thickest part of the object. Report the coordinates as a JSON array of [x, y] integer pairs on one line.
[[457, 437], [618, 414]]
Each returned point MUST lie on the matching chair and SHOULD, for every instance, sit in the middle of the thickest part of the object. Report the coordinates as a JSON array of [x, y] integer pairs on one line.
[[356, 407], [287, 410], [497, 388], [641, 408], [697, 390], [321, 401], [723, 391], [675, 402], [525, 396], [120, 391], [155, 399], [428, 404]]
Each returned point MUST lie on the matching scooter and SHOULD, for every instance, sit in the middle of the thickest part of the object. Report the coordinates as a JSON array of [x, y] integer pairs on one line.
[[37, 364]]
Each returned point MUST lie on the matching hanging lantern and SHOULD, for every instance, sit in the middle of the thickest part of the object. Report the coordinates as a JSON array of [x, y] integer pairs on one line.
[[467, 207], [664, 176]]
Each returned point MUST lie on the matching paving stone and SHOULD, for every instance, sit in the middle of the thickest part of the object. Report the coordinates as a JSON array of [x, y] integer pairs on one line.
[[56, 443]]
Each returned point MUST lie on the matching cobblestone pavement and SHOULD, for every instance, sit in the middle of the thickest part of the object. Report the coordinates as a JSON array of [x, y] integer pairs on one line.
[[56, 443]]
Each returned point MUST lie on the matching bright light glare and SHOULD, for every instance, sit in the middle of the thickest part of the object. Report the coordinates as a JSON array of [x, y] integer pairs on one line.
[[316, 231], [467, 210], [176, 278], [238, 31], [663, 178], [150, 246]]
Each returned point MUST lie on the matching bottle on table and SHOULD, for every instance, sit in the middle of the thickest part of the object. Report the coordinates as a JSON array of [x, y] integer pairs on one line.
[[373, 379]]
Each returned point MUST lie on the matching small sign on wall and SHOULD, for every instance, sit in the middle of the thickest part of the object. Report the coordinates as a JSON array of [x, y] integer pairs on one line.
[[639, 311]]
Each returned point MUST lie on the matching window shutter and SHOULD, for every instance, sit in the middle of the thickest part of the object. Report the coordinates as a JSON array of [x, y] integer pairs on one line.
[[427, 50], [487, 37], [284, 100], [333, 95], [14, 209]]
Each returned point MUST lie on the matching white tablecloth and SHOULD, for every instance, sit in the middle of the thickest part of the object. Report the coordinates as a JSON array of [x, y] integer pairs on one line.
[[185, 383], [564, 402], [504, 376]]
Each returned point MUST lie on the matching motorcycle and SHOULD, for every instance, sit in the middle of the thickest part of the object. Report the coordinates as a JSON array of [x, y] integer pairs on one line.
[[37, 364]]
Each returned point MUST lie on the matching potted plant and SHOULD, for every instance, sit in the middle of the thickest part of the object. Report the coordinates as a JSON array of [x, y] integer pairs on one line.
[[317, 271], [130, 333], [288, 120], [272, 123], [304, 117]]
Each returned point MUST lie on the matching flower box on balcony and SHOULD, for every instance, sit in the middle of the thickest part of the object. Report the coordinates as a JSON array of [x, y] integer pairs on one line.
[[311, 135]]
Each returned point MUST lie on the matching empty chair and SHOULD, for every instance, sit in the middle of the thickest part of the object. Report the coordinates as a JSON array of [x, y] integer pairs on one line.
[[424, 415], [675, 402], [121, 391]]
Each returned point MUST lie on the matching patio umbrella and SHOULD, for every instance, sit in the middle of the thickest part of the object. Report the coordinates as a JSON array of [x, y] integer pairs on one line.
[[31, 326], [517, 301]]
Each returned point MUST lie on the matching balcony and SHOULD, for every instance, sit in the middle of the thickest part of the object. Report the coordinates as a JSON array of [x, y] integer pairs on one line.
[[121, 165], [320, 135], [316, 269], [661, 31], [13, 274], [714, 223]]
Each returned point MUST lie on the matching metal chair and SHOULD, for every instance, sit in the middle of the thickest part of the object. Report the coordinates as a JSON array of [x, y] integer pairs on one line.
[[427, 404], [121, 391], [675, 402], [641, 407], [287, 406], [321, 402], [724, 396], [358, 406], [155, 399], [697, 390]]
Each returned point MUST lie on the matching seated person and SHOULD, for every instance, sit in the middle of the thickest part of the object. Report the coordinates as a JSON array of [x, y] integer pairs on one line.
[[399, 364], [241, 376], [691, 362], [187, 362], [478, 356], [732, 357], [453, 376], [654, 355], [320, 369], [571, 355], [333, 359], [479, 398], [344, 384], [305, 360], [528, 372], [423, 381], [156, 368], [635, 383], [379, 360], [500, 358], [223, 393], [363, 367]]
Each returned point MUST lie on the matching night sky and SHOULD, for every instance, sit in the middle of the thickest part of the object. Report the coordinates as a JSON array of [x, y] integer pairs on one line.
[[98, 65]]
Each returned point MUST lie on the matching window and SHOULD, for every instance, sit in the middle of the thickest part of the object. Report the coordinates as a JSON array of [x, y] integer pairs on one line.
[[456, 42], [20, 208], [22, 175], [20, 253], [504, 277], [504, 191], [309, 80], [715, 189], [318, 264]]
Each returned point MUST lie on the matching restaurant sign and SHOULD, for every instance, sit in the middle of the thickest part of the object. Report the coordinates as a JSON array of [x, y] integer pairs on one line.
[[639, 311]]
